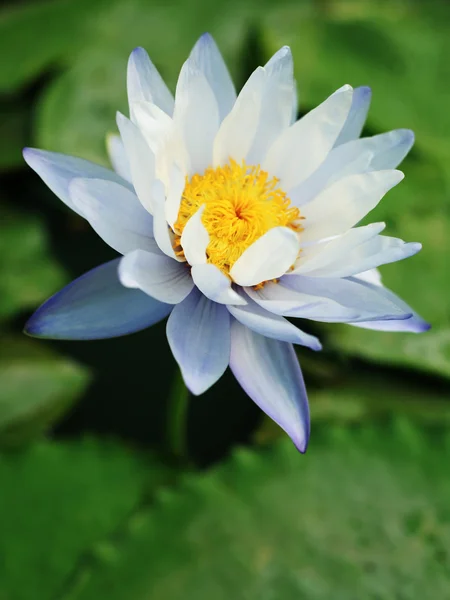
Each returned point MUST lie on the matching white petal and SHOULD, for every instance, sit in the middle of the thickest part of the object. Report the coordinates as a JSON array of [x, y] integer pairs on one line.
[[118, 156], [195, 239], [267, 258], [368, 301], [340, 162], [301, 148], [153, 123], [415, 324], [58, 170], [144, 83], [379, 152], [215, 285], [280, 300], [140, 158], [357, 115], [269, 373], [198, 332], [345, 203], [379, 250], [209, 61], [114, 213], [157, 275], [164, 236], [390, 148], [177, 182], [276, 104], [196, 116], [336, 250], [372, 276], [238, 129], [273, 326]]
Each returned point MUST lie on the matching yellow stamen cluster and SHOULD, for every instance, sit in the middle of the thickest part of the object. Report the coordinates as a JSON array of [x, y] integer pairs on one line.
[[242, 203]]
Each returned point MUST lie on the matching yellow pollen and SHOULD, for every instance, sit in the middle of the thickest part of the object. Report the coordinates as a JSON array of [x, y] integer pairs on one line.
[[242, 203]]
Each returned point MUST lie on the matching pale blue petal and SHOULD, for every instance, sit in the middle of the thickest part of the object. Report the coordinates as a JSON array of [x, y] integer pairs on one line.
[[269, 373], [209, 61], [157, 275], [280, 300], [357, 115], [368, 301], [58, 170], [115, 213], [215, 285], [96, 306], [140, 158], [198, 332], [144, 83], [390, 148], [273, 326], [118, 156], [415, 324]]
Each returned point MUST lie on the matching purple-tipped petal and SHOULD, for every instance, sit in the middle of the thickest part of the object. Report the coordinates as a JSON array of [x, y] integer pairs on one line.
[[198, 332], [273, 326], [357, 115], [269, 373], [415, 324], [58, 170], [207, 58], [96, 306]]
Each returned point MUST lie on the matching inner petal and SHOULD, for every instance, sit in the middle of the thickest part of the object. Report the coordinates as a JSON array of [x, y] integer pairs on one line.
[[242, 203]]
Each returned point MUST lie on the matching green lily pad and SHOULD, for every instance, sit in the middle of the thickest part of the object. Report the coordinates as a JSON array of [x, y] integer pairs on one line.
[[362, 515], [28, 273], [58, 502], [37, 387]]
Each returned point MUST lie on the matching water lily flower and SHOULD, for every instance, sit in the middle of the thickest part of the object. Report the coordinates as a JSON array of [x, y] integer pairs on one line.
[[231, 215]]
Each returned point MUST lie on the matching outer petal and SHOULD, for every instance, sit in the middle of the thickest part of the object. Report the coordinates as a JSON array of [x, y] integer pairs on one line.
[[301, 148], [379, 152], [96, 306], [379, 250], [141, 160], [319, 256], [269, 373], [196, 116], [118, 156], [157, 275], [390, 148], [280, 300], [114, 213], [198, 332], [267, 258], [357, 115], [58, 170], [273, 326], [346, 202], [367, 300], [415, 324], [144, 83], [215, 285], [209, 61]]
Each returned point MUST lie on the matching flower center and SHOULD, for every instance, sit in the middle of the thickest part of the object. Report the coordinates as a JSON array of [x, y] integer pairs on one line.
[[242, 203]]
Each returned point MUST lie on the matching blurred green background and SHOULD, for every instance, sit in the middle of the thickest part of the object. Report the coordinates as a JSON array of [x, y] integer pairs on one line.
[[101, 496]]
